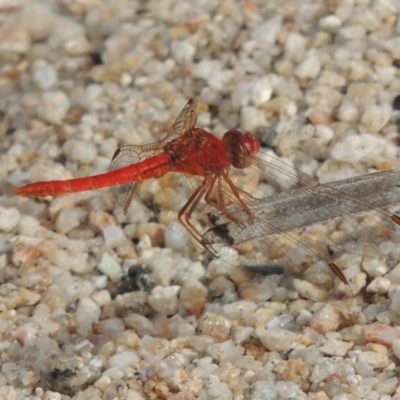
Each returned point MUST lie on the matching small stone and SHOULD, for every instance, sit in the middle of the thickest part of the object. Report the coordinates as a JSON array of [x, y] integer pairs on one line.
[[354, 32], [110, 267], [309, 68], [14, 297], [165, 299], [224, 352], [326, 319], [218, 390], [113, 236], [394, 275], [156, 346], [261, 91], [252, 118], [374, 267], [295, 46], [69, 218], [176, 236], [331, 79], [142, 325], [296, 371], [242, 334], [291, 90], [28, 225], [183, 51], [284, 67], [80, 151], [54, 106], [375, 119], [362, 93], [187, 270], [323, 98], [87, 310], [99, 281], [379, 285], [257, 291], [386, 386], [241, 95], [193, 296], [111, 326], [102, 383], [266, 32], [348, 112], [101, 297], [78, 46], [381, 333], [377, 348], [39, 19], [49, 395], [28, 297], [330, 23], [226, 264], [264, 389], [215, 326], [277, 339], [100, 219], [9, 218], [374, 359], [392, 45], [15, 41], [44, 75], [371, 149], [239, 310], [336, 348], [78, 263], [124, 359], [318, 117], [114, 374], [162, 266], [23, 252], [205, 68], [62, 365], [183, 329], [219, 81]]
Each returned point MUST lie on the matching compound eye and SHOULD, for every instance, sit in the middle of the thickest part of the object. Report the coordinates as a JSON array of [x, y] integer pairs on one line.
[[242, 148]]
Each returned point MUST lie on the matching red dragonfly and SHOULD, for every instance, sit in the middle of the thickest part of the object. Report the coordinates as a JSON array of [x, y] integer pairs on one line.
[[185, 149], [194, 152]]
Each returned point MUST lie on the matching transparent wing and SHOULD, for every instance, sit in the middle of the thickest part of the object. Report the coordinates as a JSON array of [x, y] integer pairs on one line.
[[313, 260], [132, 154], [185, 122], [172, 194]]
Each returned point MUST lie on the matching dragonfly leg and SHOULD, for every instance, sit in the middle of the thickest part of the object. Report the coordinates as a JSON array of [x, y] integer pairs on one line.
[[186, 212], [220, 203], [235, 192]]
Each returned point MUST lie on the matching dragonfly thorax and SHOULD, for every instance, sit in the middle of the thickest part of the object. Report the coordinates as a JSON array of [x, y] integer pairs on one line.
[[198, 153]]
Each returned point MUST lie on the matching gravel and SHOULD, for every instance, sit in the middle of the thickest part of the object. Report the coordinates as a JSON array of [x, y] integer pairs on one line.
[[318, 81]]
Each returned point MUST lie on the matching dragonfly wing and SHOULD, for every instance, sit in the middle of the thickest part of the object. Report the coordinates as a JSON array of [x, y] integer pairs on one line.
[[325, 247], [172, 192], [124, 194], [124, 157], [185, 122], [132, 154], [325, 202]]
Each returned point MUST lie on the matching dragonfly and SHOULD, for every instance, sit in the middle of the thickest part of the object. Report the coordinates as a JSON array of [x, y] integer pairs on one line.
[[206, 162]]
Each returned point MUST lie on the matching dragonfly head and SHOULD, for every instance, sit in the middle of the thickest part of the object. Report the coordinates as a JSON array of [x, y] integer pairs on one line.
[[243, 148]]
